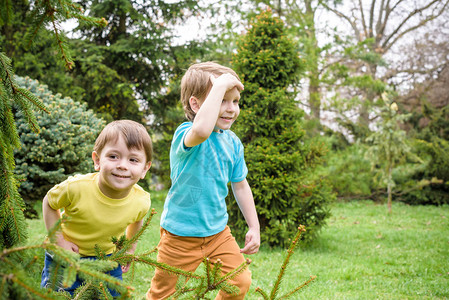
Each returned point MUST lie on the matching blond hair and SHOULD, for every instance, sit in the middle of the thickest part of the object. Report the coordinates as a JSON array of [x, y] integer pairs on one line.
[[134, 134], [196, 82]]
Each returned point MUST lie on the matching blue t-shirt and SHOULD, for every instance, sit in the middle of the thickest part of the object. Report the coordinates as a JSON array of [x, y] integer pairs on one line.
[[195, 204]]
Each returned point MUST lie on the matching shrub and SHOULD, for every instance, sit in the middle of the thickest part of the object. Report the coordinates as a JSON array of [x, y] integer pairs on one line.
[[62, 148], [349, 172], [429, 183], [279, 156]]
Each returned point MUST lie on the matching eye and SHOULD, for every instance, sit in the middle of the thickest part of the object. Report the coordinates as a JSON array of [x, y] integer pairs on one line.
[[236, 101], [113, 156], [134, 160]]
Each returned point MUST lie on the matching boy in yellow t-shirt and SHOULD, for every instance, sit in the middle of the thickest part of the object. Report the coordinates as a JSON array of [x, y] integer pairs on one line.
[[106, 203]]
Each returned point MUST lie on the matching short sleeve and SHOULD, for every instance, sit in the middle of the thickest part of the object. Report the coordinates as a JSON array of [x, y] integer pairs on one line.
[[240, 169], [58, 196], [178, 138], [143, 212]]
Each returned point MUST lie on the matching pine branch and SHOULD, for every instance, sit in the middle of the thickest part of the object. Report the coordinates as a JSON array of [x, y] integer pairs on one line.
[[275, 289], [38, 25], [21, 96], [50, 13], [5, 15], [154, 250], [89, 20], [181, 289], [208, 270], [80, 292], [104, 291], [262, 293], [211, 281], [53, 281], [13, 217], [7, 75], [293, 245], [69, 277], [9, 140], [88, 274], [165, 267], [3, 288], [216, 270], [10, 136], [62, 44], [27, 112], [26, 94], [122, 250], [31, 289], [298, 288], [234, 273]]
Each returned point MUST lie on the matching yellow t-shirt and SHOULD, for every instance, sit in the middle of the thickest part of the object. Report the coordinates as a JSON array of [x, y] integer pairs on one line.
[[94, 218]]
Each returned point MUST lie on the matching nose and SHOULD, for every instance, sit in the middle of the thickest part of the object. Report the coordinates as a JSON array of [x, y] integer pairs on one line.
[[230, 106], [122, 164]]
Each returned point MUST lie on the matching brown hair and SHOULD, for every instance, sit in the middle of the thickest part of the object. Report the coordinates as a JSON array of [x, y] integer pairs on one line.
[[196, 82], [135, 135]]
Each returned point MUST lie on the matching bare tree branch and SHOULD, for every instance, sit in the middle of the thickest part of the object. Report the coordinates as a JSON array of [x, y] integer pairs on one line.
[[362, 16], [343, 16], [371, 17], [387, 45]]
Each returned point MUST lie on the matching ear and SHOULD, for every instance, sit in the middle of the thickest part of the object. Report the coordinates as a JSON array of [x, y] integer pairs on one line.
[[194, 103], [147, 167], [96, 159]]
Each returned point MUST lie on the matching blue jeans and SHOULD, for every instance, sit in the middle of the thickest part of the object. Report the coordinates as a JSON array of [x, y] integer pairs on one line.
[[46, 275]]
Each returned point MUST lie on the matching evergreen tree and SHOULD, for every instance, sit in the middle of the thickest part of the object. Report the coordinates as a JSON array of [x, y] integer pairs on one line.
[[389, 144], [126, 65], [279, 157], [12, 96], [62, 148], [12, 221]]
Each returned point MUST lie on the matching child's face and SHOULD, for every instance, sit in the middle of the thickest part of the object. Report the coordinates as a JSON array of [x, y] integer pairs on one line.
[[120, 168], [229, 110]]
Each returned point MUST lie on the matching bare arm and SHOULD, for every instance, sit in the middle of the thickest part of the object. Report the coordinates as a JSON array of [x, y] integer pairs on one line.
[[52, 216], [131, 230], [207, 112], [245, 200]]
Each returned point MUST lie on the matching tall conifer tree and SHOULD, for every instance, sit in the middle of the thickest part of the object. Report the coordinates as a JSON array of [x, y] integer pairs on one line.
[[278, 156], [13, 97]]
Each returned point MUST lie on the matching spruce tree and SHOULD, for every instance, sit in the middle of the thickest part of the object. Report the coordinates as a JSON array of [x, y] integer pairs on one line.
[[13, 97], [279, 156], [62, 148]]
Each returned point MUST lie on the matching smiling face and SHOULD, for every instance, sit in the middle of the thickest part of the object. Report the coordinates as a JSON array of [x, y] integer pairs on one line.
[[229, 110], [120, 168]]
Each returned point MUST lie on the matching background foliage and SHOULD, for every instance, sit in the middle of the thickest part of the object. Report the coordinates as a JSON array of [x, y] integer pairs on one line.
[[62, 148], [130, 67]]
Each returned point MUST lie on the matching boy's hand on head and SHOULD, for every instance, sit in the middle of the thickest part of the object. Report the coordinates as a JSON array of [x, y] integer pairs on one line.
[[252, 242], [228, 81]]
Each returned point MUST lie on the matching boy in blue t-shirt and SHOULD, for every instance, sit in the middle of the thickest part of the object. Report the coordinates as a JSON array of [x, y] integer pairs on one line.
[[204, 157]]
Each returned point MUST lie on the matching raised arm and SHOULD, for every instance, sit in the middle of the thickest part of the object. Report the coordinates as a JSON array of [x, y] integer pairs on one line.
[[207, 111], [245, 200], [51, 216]]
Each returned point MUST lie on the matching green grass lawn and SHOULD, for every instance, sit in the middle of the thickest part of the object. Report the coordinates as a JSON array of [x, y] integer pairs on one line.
[[363, 253]]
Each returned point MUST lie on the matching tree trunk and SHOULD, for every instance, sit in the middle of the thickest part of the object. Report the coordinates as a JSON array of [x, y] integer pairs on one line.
[[389, 202], [312, 51]]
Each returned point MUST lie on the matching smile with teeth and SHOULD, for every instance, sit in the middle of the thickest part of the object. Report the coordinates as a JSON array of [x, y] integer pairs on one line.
[[120, 176]]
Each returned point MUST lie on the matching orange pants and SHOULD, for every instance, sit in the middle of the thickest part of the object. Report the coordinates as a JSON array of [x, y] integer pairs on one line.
[[187, 253]]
